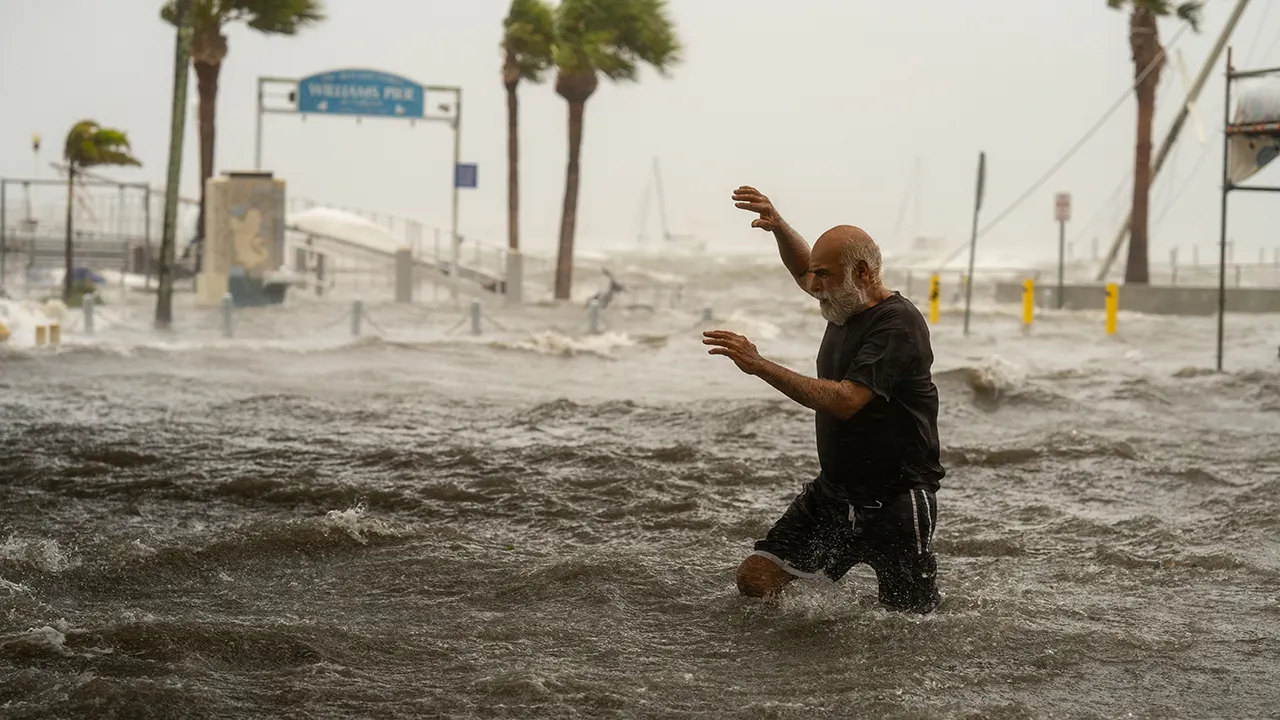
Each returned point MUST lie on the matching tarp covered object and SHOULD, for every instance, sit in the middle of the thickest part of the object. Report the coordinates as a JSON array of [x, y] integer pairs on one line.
[[1249, 152]]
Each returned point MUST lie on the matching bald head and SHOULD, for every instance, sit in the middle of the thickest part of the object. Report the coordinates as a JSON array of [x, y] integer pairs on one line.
[[847, 249]]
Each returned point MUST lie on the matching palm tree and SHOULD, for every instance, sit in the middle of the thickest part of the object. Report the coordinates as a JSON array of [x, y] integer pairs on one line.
[[528, 35], [1148, 61], [209, 49], [89, 145], [593, 38]]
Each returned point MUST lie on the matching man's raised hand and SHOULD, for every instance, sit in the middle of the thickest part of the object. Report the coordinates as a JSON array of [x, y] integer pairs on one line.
[[749, 198], [735, 347]]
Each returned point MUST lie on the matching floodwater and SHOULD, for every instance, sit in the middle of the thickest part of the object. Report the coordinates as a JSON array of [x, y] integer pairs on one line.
[[539, 523]]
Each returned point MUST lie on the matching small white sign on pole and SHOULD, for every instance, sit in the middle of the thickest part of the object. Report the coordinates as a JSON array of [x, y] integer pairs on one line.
[[1062, 207]]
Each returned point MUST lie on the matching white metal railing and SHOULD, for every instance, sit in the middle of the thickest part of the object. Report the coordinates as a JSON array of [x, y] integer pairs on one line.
[[430, 243]]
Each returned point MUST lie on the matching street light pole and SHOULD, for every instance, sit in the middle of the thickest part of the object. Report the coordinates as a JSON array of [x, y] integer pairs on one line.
[[177, 128], [973, 239], [453, 218], [257, 141]]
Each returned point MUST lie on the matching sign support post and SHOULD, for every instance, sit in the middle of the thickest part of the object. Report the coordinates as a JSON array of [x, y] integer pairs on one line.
[[455, 249], [1062, 212], [370, 93], [1259, 121]]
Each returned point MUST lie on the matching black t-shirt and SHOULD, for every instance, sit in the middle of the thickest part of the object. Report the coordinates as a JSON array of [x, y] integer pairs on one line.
[[891, 444]]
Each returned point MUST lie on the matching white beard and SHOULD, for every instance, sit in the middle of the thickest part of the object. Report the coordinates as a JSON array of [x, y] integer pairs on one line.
[[840, 305]]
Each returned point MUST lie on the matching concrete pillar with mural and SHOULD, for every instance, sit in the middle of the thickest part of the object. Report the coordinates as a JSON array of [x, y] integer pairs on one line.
[[244, 240]]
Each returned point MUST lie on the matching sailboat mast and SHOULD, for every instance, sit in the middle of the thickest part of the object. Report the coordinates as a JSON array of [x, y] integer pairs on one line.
[[643, 235], [662, 204]]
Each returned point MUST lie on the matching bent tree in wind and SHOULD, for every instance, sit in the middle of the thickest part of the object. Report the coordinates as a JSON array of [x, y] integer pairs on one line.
[[612, 38], [209, 49], [1148, 61], [528, 35], [89, 145]]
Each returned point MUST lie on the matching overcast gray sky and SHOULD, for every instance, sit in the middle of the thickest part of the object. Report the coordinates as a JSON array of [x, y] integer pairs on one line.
[[823, 104]]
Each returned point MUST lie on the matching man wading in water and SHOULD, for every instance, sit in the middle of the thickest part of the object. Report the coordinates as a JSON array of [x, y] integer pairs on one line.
[[877, 425]]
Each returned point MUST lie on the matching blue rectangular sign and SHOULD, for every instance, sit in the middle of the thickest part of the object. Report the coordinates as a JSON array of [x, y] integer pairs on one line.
[[360, 92], [466, 175]]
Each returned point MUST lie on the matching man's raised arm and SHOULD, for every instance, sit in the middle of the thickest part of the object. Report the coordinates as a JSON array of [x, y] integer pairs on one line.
[[791, 247]]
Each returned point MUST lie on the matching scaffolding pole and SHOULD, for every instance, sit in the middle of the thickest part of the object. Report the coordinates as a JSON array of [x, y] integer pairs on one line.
[[1228, 131]]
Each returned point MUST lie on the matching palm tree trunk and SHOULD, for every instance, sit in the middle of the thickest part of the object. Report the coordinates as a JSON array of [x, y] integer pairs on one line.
[[1136, 271], [66, 280], [569, 217], [207, 87], [513, 167], [1146, 51]]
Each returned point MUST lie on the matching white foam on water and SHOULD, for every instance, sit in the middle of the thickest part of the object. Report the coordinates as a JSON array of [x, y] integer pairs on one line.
[[551, 342], [41, 553], [1000, 376], [14, 588], [356, 524], [22, 317], [749, 325], [44, 639]]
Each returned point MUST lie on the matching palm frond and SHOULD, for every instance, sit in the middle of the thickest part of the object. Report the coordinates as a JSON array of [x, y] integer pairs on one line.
[[277, 17], [169, 12], [115, 157], [528, 37], [614, 37], [1191, 14], [204, 13], [90, 144], [74, 147], [110, 138], [1188, 12]]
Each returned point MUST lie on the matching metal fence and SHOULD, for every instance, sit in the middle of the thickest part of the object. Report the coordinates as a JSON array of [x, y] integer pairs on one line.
[[118, 226], [115, 226], [430, 243]]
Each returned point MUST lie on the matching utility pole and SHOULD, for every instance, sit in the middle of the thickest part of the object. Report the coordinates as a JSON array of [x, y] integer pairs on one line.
[[973, 239]]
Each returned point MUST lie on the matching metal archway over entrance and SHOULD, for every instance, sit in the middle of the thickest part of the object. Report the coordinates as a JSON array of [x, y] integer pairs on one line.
[[361, 93], [1250, 142]]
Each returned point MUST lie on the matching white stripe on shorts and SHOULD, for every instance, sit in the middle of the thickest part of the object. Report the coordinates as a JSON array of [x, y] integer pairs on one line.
[[928, 518], [915, 518]]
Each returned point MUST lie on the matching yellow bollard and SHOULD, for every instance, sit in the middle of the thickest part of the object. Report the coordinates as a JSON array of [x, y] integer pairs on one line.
[[935, 295], [1028, 303], [42, 333], [4, 331], [55, 334], [1113, 306]]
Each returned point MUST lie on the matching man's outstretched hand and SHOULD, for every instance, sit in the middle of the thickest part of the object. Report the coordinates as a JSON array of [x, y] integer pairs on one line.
[[749, 198], [735, 347]]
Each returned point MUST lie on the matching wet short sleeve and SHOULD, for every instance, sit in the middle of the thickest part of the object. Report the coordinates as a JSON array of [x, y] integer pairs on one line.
[[884, 356]]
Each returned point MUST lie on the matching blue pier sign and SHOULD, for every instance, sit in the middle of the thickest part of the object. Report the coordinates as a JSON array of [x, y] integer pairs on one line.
[[466, 175], [360, 92]]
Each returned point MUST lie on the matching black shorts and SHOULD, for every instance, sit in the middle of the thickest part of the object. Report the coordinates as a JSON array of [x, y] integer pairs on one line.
[[822, 534]]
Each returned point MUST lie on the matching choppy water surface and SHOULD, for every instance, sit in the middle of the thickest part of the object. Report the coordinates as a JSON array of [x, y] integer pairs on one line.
[[534, 523]]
